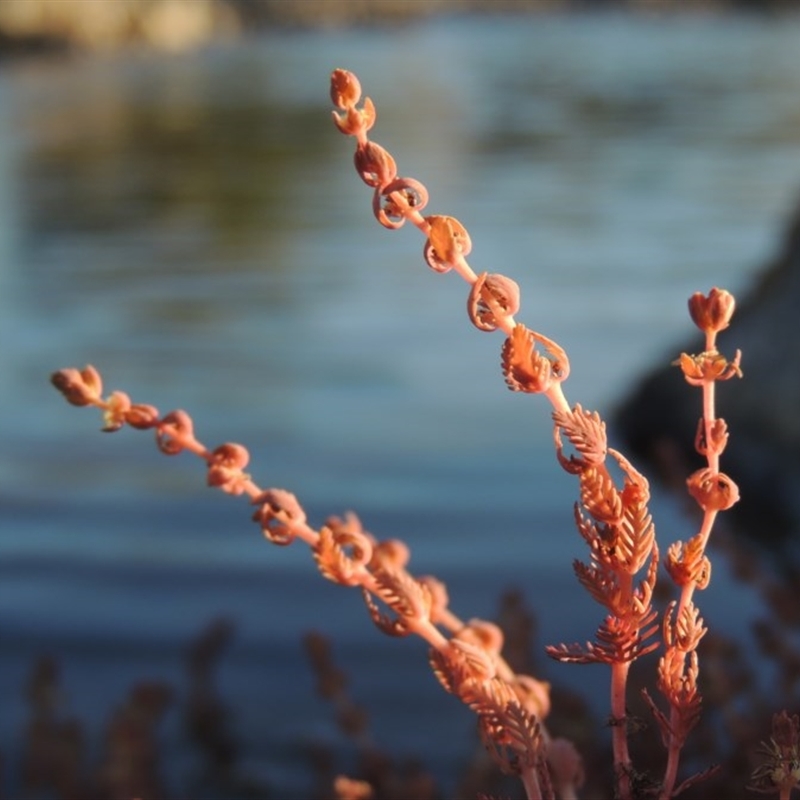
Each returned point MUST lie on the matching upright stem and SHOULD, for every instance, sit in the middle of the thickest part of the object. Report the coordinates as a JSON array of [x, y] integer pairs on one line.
[[619, 728], [533, 791], [671, 771], [709, 406]]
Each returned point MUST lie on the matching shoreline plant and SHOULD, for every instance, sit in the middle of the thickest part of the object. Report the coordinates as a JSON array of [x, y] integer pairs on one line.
[[611, 516]]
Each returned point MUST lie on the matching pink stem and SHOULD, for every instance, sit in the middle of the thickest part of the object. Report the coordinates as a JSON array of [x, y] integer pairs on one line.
[[622, 759], [531, 783]]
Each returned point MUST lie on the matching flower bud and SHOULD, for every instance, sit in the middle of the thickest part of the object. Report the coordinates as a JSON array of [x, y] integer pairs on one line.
[[713, 491], [80, 388], [375, 165], [225, 468], [712, 313], [447, 240], [356, 121], [396, 201], [278, 513], [345, 88], [491, 294], [142, 416], [391, 554], [174, 432], [712, 441], [526, 369]]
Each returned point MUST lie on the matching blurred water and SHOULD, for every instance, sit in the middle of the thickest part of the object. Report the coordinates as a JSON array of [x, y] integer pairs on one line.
[[193, 227]]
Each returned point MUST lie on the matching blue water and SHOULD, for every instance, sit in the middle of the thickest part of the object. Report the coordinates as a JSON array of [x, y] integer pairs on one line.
[[193, 227]]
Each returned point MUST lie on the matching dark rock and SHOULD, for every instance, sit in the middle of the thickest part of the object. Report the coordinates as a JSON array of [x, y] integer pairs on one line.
[[658, 421], [34, 44]]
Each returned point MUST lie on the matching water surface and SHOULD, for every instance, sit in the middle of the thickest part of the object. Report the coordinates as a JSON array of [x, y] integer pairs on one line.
[[193, 227]]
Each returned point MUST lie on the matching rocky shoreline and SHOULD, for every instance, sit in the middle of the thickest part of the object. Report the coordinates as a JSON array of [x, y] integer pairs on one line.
[[36, 26]]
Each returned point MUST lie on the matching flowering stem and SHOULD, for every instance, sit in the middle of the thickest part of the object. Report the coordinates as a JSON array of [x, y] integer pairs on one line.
[[713, 492]]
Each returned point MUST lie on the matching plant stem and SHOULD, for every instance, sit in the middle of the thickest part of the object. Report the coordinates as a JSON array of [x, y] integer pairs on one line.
[[531, 783], [619, 736]]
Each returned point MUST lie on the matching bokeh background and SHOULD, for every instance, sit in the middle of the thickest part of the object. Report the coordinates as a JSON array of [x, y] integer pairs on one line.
[[182, 214]]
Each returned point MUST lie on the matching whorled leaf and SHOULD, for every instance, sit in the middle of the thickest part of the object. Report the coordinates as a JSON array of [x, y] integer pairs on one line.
[[447, 241], [342, 555], [492, 295], [513, 738], [527, 370], [587, 433], [390, 625], [599, 495], [618, 640]]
